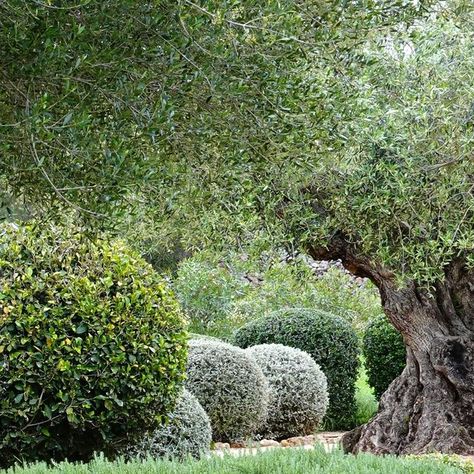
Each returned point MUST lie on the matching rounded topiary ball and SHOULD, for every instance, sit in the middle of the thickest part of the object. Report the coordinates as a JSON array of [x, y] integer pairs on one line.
[[298, 390], [92, 344], [328, 339], [384, 352], [187, 433], [230, 386]]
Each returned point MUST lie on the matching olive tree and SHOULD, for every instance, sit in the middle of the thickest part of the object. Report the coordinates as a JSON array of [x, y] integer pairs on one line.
[[361, 150], [340, 127]]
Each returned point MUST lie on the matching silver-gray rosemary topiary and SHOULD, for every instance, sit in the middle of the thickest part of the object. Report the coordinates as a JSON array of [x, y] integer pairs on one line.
[[187, 433], [230, 386], [298, 390]]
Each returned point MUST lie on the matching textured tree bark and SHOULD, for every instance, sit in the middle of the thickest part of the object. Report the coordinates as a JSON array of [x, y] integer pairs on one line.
[[430, 406]]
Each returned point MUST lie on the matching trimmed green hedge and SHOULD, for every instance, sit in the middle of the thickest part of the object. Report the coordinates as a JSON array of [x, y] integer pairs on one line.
[[384, 352], [92, 345], [329, 339]]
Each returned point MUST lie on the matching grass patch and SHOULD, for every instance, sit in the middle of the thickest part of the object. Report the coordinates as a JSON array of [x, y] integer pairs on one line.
[[279, 461], [367, 404]]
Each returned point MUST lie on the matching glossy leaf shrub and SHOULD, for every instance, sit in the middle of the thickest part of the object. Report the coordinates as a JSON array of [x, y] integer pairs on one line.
[[92, 345], [331, 342], [384, 352]]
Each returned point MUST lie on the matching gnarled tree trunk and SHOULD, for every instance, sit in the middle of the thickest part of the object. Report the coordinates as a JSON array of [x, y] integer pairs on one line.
[[430, 406]]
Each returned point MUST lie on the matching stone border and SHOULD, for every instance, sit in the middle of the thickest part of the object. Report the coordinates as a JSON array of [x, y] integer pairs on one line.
[[328, 440]]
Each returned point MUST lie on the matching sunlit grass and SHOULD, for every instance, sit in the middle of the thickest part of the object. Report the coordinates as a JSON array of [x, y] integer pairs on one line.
[[366, 402]]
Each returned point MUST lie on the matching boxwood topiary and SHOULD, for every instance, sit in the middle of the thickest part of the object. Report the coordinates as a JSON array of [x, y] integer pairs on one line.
[[187, 433], [331, 342], [230, 386], [92, 346], [384, 352], [298, 390]]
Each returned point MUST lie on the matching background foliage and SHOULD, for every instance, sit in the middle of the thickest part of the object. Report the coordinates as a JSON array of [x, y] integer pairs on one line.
[[222, 291]]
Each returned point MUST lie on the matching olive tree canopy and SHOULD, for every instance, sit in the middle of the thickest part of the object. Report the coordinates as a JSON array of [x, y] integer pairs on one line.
[[341, 127]]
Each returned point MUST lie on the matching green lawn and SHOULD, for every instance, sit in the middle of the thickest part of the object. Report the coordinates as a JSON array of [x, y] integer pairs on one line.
[[365, 398], [279, 461]]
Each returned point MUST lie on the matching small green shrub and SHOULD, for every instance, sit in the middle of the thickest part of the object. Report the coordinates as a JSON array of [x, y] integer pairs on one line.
[[331, 342], [384, 352], [298, 390], [187, 433], [453, 461], [92, 345], [230, 386]]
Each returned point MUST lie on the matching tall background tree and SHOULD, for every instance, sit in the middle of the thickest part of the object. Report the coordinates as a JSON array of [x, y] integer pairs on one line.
[[344, 128]]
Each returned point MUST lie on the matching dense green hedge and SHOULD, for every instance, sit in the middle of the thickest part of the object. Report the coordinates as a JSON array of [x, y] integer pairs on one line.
[[329, 339], [92, 345], [384, 352]]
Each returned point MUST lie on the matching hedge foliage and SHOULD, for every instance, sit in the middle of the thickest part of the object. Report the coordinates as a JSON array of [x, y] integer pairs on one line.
[[384, 352], [230, 386], [92, 345], [298, 390], [331, 342], [187, 433]]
